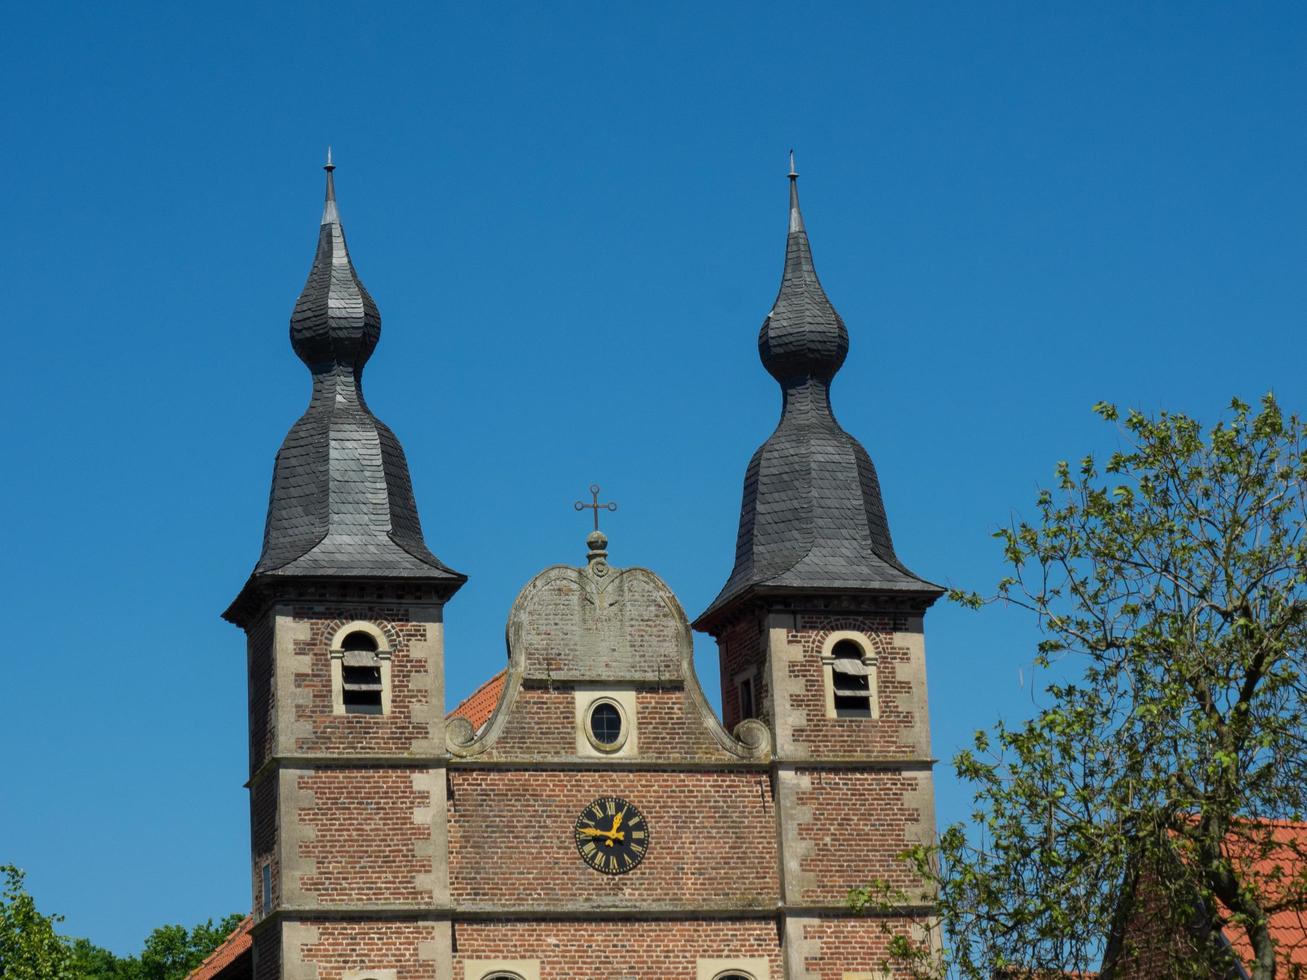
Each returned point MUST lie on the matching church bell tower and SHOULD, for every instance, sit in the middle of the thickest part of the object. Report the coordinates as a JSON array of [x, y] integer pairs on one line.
[[819, 633], [343, 615]]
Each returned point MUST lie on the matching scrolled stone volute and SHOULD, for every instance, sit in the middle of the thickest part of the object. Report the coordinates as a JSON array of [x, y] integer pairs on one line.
[[754, 736], [459, 732]]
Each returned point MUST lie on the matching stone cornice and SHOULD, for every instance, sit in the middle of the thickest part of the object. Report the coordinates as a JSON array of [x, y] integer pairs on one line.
[[521, 913], [334, 761]]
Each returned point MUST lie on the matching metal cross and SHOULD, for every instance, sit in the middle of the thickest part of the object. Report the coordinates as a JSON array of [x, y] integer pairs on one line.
[[595, 505]]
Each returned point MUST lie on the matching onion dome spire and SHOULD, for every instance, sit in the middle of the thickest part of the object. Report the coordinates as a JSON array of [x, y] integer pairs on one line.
[[342, 502], [811, 518], [802, 336]]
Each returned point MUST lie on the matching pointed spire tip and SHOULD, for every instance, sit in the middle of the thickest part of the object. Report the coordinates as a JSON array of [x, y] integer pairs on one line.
[[794, 174], [329, 214]]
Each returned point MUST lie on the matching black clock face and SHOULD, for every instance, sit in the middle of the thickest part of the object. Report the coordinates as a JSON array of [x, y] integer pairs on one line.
[[612, 835]]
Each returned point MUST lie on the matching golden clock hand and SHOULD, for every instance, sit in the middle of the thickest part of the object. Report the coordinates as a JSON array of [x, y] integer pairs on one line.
[[611, 835], [617, 820]]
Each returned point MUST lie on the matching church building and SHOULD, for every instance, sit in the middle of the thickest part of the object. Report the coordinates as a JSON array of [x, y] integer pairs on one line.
[[586, 814]]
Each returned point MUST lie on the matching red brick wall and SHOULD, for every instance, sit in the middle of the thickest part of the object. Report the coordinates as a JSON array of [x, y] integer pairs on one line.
[[672, 728], [267, 952], [893, 735], [363, 836], [712, 839], [852, 944], [263, 838], [262, 692], [342, 946], [357, 733], [858, 828], [741, 646], [603, 950], [541, 724]]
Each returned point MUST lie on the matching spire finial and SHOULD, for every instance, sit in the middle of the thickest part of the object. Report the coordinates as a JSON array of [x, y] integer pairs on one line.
[[329, 213], [329, 167], [796, 216]]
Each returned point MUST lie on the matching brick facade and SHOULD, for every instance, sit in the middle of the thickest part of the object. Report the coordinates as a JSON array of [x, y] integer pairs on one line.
[[391, 843], [437, 853], [570, 950], [713, 840]]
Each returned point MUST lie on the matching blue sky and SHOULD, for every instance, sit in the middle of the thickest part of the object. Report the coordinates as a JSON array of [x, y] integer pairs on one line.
[[572, 218]]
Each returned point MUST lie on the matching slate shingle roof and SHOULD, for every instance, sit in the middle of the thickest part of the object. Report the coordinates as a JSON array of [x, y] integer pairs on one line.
[[811, 518], [342, 502]]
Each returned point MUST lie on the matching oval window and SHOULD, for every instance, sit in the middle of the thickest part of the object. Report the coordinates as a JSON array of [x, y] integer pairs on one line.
[[606, 725]]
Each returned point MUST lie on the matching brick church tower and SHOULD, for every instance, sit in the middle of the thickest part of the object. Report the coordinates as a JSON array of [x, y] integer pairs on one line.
[[343, 615], [819, 634], [586, 814]]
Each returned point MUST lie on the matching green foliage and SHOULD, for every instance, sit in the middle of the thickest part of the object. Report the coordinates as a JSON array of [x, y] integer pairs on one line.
[[170, 952], [30, 949], [1170, 584]]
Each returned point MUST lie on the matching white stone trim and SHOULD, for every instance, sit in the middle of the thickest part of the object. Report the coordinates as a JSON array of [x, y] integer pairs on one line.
[[294, 937], [587, 699], [480, 969], [756, 968], [387, 974], [360, 626], [868, 658]]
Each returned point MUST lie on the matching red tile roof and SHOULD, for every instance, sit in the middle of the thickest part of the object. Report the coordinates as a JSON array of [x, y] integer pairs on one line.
[[480, 704], [1275, 868], [229, 954]]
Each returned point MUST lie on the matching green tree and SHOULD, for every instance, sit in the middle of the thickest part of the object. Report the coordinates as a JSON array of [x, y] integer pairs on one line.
[[91, 962], [170, 953], [1171, 589], [30, 949]]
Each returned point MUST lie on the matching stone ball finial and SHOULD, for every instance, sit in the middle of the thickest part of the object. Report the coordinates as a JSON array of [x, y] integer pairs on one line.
[[597, 542]]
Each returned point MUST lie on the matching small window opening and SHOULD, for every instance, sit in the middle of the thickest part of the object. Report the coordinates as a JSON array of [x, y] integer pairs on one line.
[[359, 640], [733, 976], [746, 698], [265, 900], [362, 688], [851, 677], [606, 723]]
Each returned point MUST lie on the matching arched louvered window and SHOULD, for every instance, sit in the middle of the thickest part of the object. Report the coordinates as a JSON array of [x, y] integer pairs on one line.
[[360, 670], [361, 675], [850, 670]]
